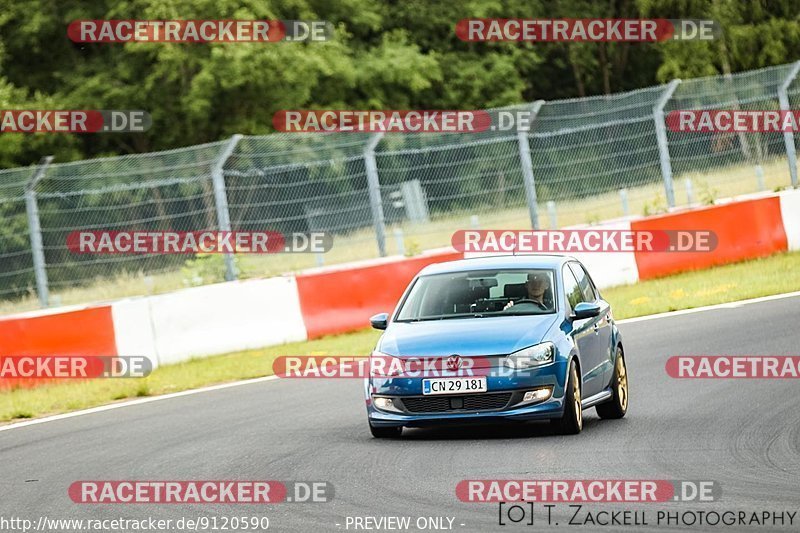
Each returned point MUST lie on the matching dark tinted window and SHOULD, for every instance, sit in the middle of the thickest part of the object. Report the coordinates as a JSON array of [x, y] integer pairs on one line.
[[584, 282], [479, 294], [572, 290]]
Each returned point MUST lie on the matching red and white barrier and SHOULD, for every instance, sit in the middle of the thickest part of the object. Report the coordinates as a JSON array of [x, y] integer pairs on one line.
[[745, 230], [210, 320], [790, 215], [251, 314], [78, 330], [342, 298]]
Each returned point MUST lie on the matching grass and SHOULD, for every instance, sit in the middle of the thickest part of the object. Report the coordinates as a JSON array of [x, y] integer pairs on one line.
[[646, 199], [776, 274], [771, 275]]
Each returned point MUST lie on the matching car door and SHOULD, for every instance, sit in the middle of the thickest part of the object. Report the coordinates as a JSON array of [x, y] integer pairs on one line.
[[583, 335], [602, 323]]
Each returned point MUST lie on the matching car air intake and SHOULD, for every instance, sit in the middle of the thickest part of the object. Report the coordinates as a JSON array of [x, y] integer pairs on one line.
[[444, 404]]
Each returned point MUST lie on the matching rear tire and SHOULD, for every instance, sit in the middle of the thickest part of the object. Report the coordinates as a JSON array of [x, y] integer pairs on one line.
[[571, 422], [618, 405], [386, 432]]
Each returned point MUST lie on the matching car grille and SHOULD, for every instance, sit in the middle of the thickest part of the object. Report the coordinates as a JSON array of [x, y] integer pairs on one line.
[[444, 404]]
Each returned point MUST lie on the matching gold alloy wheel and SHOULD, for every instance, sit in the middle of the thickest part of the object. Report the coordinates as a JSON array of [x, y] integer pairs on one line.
[[577, 396], [622, 382]]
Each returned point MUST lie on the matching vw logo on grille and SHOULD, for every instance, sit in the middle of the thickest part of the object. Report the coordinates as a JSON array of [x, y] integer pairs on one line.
[[453, 362]]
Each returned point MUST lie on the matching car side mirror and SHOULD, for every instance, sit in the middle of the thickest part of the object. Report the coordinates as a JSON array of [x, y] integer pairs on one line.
[[381, 320], [585, 310]]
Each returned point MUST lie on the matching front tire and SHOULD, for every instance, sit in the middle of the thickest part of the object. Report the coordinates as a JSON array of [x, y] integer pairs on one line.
[[618, 405], [386, 432], [571, 422]]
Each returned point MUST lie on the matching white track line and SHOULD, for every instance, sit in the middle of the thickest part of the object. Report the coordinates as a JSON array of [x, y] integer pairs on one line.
[[100, 409]]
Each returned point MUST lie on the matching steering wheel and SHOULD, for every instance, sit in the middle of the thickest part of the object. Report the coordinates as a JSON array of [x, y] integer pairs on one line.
[[529, 301]]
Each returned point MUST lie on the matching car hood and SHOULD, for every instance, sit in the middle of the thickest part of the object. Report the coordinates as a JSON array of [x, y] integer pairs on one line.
[[468, 336]]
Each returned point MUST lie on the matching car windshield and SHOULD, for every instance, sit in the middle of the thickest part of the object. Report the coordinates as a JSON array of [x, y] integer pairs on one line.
[[479, 294]]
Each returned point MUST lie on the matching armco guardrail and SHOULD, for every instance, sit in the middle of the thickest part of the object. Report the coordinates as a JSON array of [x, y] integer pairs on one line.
[[233, 316]]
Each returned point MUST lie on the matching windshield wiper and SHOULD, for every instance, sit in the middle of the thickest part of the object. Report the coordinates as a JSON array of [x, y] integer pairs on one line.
[[444, 317], [462, 315]]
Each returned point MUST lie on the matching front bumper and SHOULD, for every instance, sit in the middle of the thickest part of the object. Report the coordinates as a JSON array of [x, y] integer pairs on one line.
[[500, 402]]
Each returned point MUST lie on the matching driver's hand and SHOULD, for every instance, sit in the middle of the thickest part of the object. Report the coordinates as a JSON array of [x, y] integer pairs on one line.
[[509, 304]]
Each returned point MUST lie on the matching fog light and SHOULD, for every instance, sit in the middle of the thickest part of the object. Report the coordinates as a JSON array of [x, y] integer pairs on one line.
[[385, 404], [538, 395]]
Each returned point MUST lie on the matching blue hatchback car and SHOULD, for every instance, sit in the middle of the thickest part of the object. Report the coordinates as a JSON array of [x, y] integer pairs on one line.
[[518, 337]]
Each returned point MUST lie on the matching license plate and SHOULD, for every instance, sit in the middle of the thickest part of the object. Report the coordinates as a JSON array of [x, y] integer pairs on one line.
[[453, 385]]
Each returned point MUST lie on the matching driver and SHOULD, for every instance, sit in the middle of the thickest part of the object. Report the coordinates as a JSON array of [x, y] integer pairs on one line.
[[536, 286]]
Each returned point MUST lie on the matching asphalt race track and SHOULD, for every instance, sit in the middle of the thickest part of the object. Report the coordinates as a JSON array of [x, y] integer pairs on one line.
[[744, 434]]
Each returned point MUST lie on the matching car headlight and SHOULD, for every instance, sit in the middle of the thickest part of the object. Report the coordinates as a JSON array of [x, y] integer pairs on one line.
[[533, 356], [382, 365]]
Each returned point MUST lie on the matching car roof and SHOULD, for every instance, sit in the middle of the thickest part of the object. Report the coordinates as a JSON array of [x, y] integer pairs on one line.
[[497, 262]]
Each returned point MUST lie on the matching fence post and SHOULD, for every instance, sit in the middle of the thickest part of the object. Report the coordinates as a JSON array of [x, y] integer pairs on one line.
[[374, 185], [527, 166], [661, 137], [623, 196], [221, 200], [551, 214], [760, 178], [35, 230], [788, 136]]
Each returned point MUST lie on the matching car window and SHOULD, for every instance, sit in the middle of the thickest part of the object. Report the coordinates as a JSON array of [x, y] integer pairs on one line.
[[584, 282], [478, 294], [572, 290]]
